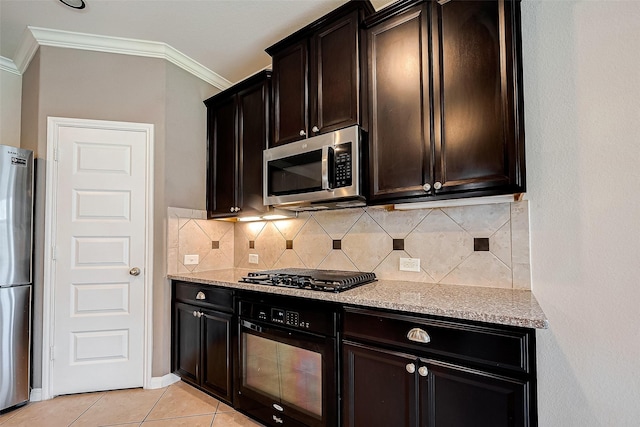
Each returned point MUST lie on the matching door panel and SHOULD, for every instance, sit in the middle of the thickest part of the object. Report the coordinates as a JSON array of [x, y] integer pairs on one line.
[[222, 173], [217, 370], [100, 220]]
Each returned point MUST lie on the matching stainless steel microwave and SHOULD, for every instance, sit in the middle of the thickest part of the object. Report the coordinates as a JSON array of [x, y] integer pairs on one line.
[[321, 172]]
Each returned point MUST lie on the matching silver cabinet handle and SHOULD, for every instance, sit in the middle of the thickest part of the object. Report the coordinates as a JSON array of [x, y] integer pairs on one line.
[[135, 271], [201, 295], [302, 133], [426, 187], [437, 185], [315, 129], [278, 420], [423, 371], [411, 368], [418, 335]]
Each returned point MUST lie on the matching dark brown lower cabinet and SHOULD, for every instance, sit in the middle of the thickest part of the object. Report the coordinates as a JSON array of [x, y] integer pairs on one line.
[[202, 347], [388, 380]]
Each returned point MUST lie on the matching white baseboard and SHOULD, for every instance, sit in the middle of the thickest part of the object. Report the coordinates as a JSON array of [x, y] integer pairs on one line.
[[160, 382], [36, 395]]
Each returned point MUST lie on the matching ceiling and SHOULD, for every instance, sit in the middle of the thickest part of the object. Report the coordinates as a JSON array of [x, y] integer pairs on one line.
[[226, 36]]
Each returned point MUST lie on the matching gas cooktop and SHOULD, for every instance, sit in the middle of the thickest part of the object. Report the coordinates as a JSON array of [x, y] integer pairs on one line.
[[315, 280]]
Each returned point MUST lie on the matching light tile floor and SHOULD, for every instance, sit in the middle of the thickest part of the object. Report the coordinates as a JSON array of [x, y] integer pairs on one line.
[[177, 405]]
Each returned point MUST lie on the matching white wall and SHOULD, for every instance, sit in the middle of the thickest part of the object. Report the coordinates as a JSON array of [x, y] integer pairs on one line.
[[10, 100], [582, 107]]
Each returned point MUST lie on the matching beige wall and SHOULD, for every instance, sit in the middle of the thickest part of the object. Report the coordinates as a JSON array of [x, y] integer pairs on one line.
[[101, 86], [10, 100], [582, 92]]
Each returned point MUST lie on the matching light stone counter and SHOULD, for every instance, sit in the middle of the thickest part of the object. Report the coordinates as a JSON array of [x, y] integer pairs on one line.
[[492, 305]]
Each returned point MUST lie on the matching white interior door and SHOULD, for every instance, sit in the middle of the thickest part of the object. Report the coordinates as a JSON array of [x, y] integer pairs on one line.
[[100, 237]]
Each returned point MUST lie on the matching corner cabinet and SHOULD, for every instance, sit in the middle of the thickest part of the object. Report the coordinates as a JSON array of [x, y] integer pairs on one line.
[[238, 129], [316, 75], [202, 335], [445, 100], [414, 371]]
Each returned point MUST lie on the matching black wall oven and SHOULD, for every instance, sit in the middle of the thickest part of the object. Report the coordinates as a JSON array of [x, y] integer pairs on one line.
[[287, 371]]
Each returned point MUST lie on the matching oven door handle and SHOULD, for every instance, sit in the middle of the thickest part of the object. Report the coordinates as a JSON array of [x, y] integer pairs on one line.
[[251, 326]]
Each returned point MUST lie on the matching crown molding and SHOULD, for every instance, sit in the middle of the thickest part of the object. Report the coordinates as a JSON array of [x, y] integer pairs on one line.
[[36, 36], [8, 65]]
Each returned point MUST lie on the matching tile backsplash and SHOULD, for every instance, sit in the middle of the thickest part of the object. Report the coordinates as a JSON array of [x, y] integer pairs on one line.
[[481, 245]]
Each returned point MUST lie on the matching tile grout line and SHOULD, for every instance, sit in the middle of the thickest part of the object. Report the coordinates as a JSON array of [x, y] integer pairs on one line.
[[104, 393], [155, 404]]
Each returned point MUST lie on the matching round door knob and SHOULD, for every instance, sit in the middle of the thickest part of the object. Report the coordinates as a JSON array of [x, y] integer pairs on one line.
[[411, 368], [315, 129], [426, 187], [437, 185], [302, 133], [135, 271], [423, 371]]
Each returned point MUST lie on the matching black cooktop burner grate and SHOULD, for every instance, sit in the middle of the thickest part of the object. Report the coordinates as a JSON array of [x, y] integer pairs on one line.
[[315, 280]]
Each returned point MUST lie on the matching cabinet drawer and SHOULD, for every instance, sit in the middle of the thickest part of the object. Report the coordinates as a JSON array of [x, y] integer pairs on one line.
[[204, 295], [505, 348]]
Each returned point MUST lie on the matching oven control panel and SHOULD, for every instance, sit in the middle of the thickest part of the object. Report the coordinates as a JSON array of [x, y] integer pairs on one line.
[[313, 317], [286, 317]]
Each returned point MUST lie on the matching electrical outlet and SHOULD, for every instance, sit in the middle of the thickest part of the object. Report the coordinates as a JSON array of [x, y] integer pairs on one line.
[[253, 258], [410, 264], [191, 259]]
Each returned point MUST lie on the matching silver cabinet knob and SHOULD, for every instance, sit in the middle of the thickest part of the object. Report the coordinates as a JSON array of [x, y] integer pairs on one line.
[[411, 368], [237, 209], [315, 129], [426, 187], [232, 209], [418, 335], [195, 314], [200, 295], [302, 133], [423, 371], [437, 185], [135, 271]]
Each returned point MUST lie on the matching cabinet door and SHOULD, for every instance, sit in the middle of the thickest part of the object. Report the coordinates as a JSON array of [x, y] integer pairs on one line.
[[453, 396], [378, 390], [186, 344], [335, 84], [216, 354], [477, 122], [253, 131], [400, 157], [221, 181], [290, 98]]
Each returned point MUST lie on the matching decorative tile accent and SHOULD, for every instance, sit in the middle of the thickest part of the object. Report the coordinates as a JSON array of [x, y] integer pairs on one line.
[[270, 244], [252, 244], [480, 244], [337, 244], [338, 223], [480, 220], [480, 269], [366, 244], [398, 244], [440, 243], [215, 244], [289, 244], [312, 244], [398, 224], [337, 260]]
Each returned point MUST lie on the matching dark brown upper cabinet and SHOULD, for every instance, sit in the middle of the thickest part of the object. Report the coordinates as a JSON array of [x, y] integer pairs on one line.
[[445, 100], [317, 77], [238, 129]]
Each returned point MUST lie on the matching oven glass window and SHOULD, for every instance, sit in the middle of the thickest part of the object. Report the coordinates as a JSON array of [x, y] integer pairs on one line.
[[285, 373], [301, 173]]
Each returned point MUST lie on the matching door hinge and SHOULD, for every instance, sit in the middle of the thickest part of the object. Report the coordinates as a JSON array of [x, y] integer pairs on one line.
[[55, 154], [53, 253], [52, 350]]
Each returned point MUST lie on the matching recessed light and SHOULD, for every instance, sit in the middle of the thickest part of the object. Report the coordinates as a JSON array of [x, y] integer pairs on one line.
[[76, 4]]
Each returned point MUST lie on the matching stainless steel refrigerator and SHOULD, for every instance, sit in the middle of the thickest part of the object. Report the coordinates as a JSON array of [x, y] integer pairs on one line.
[[16, 235]]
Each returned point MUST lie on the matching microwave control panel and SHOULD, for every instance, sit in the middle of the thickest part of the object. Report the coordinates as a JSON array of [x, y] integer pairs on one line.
[[342, 155]]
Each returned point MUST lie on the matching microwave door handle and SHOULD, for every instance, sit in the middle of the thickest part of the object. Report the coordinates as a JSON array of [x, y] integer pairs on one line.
[[326, 184]]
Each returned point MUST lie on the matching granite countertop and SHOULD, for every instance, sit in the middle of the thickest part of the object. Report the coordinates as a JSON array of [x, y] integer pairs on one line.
[[492, 305]]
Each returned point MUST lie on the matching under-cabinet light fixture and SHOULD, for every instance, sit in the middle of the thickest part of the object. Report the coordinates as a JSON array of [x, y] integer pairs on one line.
[[76, 4]]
